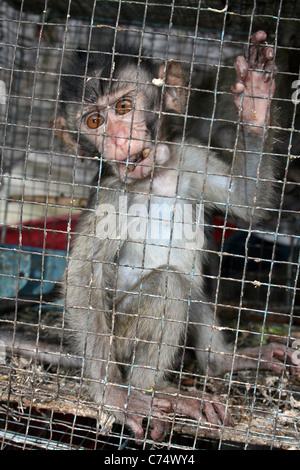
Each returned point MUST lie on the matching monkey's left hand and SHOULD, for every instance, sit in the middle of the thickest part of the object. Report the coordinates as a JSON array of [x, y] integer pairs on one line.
[[255, 85]]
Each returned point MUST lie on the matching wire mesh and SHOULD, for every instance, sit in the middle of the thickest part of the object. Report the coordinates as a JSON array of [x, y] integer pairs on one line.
[[252, 273]]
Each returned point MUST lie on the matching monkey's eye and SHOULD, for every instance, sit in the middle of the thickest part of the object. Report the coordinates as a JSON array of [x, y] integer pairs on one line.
[[123, 106], [95, 120]]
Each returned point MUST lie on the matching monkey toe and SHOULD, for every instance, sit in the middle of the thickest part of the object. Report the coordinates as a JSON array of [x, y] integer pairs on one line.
[[278, 358], [209, 410], [162, 404], [215, 412], [160, 430], [136, 426]]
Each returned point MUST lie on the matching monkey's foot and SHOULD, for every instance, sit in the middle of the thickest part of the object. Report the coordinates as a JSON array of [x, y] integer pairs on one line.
[[202, 408], [273, 356], [255, 85], [135, 409]]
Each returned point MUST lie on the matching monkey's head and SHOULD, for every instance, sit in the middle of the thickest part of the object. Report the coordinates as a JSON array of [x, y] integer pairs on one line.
[[116, 105]]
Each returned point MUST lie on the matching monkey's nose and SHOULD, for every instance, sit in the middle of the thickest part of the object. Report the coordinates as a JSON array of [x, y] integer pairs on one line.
[[121, 141], [121, 147]]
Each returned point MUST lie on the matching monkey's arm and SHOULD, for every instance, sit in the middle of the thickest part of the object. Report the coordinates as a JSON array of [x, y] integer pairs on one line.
[[244, 186]]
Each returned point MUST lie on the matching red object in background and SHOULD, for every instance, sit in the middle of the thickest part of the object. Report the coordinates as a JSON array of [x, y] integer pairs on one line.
[[34, 232], [218, 232], [56, 230]]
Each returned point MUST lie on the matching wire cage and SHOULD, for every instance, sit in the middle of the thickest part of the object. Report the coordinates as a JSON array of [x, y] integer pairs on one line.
[[252, 276]]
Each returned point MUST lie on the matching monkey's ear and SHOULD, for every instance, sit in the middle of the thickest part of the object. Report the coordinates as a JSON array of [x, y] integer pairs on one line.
[[60, 127], [175, 93]]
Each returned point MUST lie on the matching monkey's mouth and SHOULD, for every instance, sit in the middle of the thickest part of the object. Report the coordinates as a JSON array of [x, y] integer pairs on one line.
[[134, 160]]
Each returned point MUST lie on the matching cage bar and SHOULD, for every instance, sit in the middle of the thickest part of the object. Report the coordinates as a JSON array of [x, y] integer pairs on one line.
[[44, 187]]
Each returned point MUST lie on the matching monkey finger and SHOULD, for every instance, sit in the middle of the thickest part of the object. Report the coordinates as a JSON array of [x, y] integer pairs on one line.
[[258, 37], [253, 56], [255, 52], [238, 88], [269, 53], [265, 55], [241, 68], [270, 70]]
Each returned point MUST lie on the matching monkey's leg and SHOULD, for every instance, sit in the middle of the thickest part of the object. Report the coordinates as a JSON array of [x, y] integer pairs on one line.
[[207, 336], [152, 340], [91, 331], [216, 356], [150, 327], [273, 356], [107, 388]]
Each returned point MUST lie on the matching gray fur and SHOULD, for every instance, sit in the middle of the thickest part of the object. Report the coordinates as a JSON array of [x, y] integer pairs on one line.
[[131, 303], [140, 325]]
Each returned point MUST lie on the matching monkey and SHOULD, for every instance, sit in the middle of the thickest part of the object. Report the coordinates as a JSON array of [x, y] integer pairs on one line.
[[134, 288]]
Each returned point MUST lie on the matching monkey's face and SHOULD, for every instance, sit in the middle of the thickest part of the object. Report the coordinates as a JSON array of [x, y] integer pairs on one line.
[[117, 110], [117, 126]]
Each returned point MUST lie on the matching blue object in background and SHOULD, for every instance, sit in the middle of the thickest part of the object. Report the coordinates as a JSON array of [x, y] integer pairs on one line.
[[21, 270]]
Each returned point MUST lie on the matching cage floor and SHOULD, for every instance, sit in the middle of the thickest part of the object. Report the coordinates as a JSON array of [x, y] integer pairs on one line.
[[264, 407]]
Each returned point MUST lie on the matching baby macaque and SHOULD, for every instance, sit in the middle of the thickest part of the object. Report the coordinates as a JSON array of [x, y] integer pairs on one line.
[[134, 286]]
